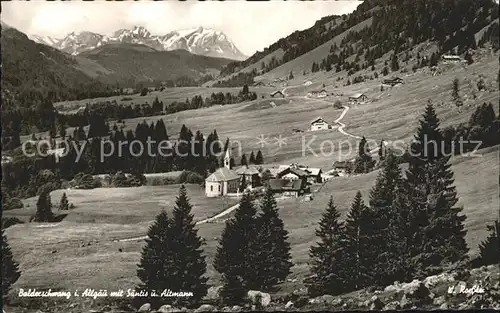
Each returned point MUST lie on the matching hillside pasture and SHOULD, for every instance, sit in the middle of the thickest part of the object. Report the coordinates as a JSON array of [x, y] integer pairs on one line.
[[78, 253]]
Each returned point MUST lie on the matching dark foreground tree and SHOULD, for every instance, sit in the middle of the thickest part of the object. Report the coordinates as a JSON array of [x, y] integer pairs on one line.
[[437, 224], [235, 255], [329, 269], [64, 204], [490, 248], [189, 264], [44, 208], [273, 249], [154, 268], [10, 269], [358, 252]]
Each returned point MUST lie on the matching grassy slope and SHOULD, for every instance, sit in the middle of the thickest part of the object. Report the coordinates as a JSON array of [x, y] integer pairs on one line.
[[101, 265]]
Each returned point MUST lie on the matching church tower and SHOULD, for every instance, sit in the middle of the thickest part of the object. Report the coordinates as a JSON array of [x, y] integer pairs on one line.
[[227, 158]]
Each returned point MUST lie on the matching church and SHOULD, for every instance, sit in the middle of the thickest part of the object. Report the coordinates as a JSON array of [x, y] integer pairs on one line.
[[223, 181]]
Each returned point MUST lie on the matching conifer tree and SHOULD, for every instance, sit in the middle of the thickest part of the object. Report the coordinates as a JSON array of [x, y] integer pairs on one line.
[[188, 268], [259, 159], [490, 248], [44, 208], [243, 161], [235, 253], [380, 214], [381, 151], [157, 262], [357, 252], [251, 160], [10, 269], [329, 271], [233, 291], [64, 204], [273, 249], [432, 197]]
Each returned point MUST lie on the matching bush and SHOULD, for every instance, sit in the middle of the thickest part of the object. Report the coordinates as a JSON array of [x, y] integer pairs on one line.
[[122, 180], [337, 104], [11, 204], [85, 181], [10, 221], [144, 91], [188, 177]]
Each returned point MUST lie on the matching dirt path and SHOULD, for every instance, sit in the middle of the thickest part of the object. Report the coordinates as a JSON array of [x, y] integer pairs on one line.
[[338, 120], [207, 220]]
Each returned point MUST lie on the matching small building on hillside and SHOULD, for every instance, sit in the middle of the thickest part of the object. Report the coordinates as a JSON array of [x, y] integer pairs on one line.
[[341, 168], [318, 93], [393, 81], [290, 188], [223, 181], [319, 124], [277, 94], [250, 174], [451, 59], [261, 83], [314, 175], [292, 173], [358, 98], [307, 83]]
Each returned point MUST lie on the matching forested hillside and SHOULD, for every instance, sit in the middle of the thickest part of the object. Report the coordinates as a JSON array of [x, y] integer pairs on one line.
[[33, 72], [384, 26]]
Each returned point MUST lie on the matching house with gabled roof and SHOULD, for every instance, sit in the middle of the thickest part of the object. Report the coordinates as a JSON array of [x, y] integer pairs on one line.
[[358, 97], [250, 174], [294, 188], [393, 81], [277, 94], [318, 93], [319, 124]]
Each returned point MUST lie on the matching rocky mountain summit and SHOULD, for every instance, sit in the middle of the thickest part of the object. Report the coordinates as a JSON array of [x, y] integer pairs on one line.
[[200, 40]]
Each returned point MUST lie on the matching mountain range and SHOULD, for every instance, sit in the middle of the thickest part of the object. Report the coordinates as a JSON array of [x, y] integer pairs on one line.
[[201, 41]]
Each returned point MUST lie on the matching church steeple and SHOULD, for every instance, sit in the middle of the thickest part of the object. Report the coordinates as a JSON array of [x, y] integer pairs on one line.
[[227, 158]]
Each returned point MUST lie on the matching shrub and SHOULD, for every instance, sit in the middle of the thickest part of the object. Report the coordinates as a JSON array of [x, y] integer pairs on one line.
[[10, 221], [11, 204], [85, 181], [337, 104], [188, 177]]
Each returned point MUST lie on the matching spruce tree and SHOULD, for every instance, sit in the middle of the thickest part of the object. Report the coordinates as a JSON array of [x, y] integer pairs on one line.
[[357, 252], [233, 291], [10, 269], [329, 270], [157, 262], [273, 249], [259, 159], [251, 160], [380, 214], [64, 204], [432, 197], [235, 253], [243, 161], [189, 264], [490, 248], [44, 208]]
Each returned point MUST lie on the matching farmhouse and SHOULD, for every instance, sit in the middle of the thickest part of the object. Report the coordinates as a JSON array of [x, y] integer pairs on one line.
[[318, 93], [359, 97], [293, 173], [393, 81], [261, 83], [277, 94], [250, 174], [286, 187], [223, 181], [314, 175], [319, 124], [451, 59], [341, 168]]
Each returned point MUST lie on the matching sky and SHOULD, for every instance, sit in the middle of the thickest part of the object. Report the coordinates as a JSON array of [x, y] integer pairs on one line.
[[251, 26]]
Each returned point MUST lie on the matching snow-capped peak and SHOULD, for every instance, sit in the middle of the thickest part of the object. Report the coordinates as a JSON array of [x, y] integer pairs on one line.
[[199, 40]]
